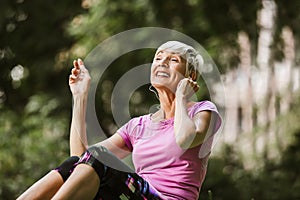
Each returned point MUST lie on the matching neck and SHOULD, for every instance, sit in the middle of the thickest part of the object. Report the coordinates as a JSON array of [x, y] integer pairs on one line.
[[167, 103]]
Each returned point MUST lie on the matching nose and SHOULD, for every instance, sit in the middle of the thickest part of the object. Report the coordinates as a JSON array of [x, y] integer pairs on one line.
[[163, 62]]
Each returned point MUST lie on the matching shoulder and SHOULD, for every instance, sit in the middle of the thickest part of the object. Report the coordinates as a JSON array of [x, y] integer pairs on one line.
[[206, 106], [139, 119], [132, 128], [202, 106], [136, 121]]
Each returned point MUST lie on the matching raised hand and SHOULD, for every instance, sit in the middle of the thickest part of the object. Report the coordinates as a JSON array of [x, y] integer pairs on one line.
[[79, 80]]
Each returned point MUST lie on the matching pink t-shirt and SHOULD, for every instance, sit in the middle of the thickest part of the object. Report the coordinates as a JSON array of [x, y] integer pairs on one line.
[[174, 172]]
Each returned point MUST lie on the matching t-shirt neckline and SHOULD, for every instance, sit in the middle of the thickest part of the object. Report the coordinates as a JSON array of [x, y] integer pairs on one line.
[[170, 120]]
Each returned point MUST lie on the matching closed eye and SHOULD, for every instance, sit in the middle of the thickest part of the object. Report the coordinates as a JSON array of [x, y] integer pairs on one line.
[[174, 60]]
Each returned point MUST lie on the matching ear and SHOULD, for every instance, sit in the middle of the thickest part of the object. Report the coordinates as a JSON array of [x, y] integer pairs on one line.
[[193, 75]]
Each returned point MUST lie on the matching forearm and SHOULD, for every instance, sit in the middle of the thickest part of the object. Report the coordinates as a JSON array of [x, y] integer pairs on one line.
[[184, 126], [78, 137]]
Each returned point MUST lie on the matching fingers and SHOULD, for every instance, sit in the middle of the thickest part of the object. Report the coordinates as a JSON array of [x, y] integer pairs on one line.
[[77, 70], [78, 64], [187, 87], [72, 79], [193, 84]]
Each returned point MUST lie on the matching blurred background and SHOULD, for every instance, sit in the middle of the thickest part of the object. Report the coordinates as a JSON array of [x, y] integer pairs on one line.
[[255, 45]]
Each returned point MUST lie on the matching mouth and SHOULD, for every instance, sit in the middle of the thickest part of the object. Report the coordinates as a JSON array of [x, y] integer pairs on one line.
[[163, 74]]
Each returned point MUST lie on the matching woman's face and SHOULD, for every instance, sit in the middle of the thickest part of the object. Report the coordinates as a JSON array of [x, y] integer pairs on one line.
[[167, 70]]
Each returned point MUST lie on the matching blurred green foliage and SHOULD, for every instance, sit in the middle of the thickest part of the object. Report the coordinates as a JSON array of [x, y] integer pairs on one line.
[[278, 179], [39, 39]]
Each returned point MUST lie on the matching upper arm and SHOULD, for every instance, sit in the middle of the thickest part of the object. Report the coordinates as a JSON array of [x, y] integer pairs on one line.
[[116, 145], [203, 121]]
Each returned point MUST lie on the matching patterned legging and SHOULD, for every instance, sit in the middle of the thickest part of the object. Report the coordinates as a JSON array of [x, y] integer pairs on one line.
[[117, 180]]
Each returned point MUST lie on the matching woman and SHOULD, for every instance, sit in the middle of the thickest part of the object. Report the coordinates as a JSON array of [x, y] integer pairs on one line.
[[170, 148]]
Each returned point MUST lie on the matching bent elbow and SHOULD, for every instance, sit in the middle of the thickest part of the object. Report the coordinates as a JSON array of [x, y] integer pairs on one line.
[[180, 143], [185, 141], [190, 140]]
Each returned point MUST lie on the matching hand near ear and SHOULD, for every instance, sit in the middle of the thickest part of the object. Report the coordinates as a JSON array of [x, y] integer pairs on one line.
[[187, 88]]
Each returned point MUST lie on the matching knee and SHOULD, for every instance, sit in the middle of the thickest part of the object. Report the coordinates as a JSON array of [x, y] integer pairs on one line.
[[66, 167], [108, 160], [92, 158]]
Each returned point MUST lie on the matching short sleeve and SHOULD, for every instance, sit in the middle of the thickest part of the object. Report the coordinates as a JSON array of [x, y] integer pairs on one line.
[[124, 133], [209, 106], [131, 130]]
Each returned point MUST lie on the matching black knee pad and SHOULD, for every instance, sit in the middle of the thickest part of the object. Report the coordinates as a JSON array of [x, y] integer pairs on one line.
[[91, 157], [101, 160], [67, 167]]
